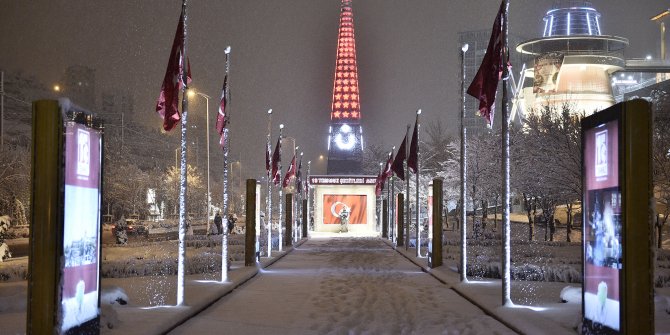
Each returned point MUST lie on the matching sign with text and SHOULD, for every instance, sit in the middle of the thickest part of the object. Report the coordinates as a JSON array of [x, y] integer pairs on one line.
[[79, 301], [342, 180]]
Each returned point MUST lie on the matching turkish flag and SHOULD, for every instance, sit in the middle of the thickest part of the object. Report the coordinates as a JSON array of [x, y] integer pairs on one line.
[[221, 119], [400, 159], [167, 105], [355, 204], [289, 173], [413, 159], [485, 84], [276, 159]]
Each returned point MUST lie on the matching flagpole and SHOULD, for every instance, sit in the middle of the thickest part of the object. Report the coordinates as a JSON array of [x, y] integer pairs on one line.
[[224, 225], [408, 221], [268, 199], [281, 212], [506, 290], [181, 258], [464, 241], [418, 172], [309, 165]]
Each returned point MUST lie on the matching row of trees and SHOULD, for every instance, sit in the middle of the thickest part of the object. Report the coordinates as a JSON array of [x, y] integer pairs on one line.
[[545, 167]]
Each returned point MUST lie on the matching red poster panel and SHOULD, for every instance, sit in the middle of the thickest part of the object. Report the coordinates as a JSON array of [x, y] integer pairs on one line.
[[334, 204]]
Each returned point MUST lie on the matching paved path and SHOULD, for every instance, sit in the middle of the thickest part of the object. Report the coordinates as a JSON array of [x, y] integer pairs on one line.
[[343, 286]]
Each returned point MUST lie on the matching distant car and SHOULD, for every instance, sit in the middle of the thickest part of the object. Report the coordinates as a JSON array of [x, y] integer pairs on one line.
[[133, 227]]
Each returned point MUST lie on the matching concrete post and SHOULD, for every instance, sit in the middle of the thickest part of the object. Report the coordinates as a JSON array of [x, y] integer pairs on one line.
[[304, 218], [400, 215], [288, 219], [46, 201], [385, 218], [435, 255], [250, 232]]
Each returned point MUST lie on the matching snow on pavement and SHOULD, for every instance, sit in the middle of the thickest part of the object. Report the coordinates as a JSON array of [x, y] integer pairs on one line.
[[343, 285]]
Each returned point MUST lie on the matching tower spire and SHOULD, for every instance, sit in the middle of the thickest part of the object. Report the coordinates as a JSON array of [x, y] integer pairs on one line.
[[345, 143]]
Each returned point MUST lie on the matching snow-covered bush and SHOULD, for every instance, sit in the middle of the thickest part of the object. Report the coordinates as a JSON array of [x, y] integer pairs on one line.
[[571, 294]]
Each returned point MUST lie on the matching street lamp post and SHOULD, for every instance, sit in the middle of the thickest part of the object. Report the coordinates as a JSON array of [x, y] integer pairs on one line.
[[659, 18], [463, 213], [192, 93]]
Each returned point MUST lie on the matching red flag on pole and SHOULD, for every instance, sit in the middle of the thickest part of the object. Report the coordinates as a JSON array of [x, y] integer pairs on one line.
[[221, 120], [413, 159], [276, 157], [167, 105], [298, 177], [379, 185], [290, 172], [400, 159], [387, 173], [485, 84]]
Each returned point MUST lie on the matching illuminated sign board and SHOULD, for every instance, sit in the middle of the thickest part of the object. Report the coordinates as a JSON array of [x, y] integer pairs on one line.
[[603, 242], [351, 206], [80, 280], [616, 168], [343, 180]]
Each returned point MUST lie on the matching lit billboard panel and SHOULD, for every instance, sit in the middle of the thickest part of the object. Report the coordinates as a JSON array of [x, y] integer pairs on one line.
[[603, 225], [80, 280], [334, 204]]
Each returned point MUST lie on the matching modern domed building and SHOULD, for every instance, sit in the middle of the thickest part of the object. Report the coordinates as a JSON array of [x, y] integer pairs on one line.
[[573, 60]]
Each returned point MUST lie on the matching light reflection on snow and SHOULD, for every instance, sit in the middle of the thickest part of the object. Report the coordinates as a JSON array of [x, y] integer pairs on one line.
[[533, 308]]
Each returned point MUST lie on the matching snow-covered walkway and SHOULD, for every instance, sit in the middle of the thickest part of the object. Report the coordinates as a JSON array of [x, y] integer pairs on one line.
[[339, 286]]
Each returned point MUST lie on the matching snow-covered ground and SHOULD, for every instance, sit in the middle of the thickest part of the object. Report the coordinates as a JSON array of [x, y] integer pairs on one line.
[[145, 272], [339, 286]]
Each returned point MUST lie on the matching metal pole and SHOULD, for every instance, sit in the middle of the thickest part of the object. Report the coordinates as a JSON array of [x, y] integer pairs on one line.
[[464, 255], [182, 183], [392, 220], [506, 290], [416, 175], [224, 209], [309, 166], [209, 198], [281, 212], [408, 219], [268, 200], [662, 41]]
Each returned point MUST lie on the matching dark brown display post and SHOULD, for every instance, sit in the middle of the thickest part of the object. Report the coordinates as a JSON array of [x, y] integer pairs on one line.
[[250, 231], [45, 233], [64, 258], [435, 255], [400, 217], [288, 209], [385, 218], [617, 294], [304, 218]]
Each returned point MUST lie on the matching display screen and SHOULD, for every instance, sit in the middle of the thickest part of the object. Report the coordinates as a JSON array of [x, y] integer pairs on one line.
[[81, 226], [603, 243], [337, 206]]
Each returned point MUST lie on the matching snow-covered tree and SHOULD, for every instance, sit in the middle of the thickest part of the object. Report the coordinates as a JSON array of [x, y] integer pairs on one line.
[[661, 160], [547, 164]]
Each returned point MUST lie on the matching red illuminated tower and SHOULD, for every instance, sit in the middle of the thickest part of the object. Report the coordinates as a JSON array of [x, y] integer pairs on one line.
[[345, 135]]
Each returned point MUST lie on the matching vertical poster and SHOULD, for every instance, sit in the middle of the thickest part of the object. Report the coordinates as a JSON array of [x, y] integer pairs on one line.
[[337, 205], [546, 73], [81, 226], [602, 229]]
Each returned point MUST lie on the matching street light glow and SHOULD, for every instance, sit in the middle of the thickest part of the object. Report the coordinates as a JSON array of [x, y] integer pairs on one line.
[[281, 126], [465, 47], [57, 88], [270, 111]]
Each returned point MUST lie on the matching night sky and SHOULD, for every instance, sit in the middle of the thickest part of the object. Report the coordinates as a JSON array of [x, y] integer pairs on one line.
[[283, 55]]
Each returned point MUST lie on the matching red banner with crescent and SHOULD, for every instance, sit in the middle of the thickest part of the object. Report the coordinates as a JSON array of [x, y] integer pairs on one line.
[[334, 204]]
